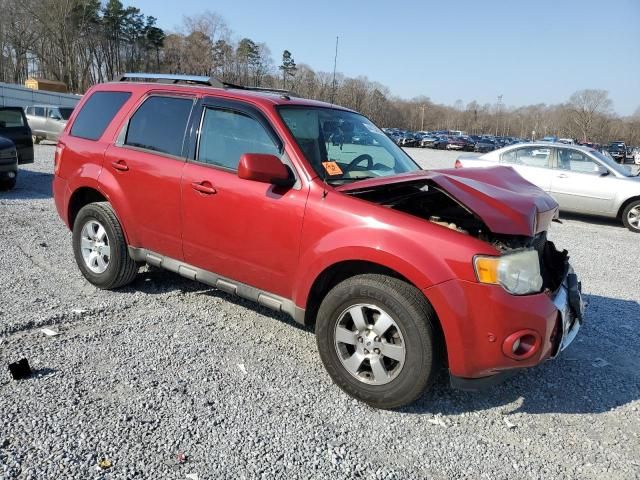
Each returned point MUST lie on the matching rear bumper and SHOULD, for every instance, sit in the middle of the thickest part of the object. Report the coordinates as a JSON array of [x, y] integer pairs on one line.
[[479, 320]]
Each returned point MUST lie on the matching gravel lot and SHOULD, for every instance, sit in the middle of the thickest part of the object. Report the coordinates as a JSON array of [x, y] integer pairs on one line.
[[168, 367]]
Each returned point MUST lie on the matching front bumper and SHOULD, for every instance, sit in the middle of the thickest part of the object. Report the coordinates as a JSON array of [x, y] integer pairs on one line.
[[478, 319]]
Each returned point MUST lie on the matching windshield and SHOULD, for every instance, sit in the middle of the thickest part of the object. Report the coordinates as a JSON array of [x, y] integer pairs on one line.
[[611, 163], [65, 113], [343, 146]]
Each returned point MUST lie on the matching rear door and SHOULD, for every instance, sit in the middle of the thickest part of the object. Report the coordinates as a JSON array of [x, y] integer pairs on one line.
[[532, 163], [146, 164], [577, 185], [13, 125]]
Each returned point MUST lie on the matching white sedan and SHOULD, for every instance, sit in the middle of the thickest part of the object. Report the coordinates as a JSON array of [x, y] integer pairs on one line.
[[581, 179]]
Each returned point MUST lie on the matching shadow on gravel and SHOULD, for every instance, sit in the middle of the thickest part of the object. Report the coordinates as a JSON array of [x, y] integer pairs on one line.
[[595, 374], [156, 281], [30, 186], [609, 222]]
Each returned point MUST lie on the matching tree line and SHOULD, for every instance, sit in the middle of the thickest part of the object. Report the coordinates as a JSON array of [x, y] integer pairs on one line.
[[83, 42]]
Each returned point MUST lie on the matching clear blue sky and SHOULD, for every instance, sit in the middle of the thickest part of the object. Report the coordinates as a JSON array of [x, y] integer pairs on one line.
[[536, 51]]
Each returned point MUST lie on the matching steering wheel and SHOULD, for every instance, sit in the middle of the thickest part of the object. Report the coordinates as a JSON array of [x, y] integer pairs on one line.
[[357, 160]]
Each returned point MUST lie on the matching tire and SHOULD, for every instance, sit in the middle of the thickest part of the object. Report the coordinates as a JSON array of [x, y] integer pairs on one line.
[[412, 331], [7, 183], [631, 216], [104, 271]]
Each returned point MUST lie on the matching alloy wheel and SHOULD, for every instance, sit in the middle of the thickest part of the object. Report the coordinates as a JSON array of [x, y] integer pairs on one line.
[[95, 246], [369, 344]]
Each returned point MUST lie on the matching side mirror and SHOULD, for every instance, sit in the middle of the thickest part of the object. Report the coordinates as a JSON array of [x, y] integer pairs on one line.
[[601, 170], [265, 168]]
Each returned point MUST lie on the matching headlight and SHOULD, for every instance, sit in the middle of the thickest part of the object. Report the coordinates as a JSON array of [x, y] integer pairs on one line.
[[518, 273]]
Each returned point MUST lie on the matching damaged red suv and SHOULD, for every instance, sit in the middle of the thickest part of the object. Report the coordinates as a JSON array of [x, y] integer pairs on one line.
[[402, 272]]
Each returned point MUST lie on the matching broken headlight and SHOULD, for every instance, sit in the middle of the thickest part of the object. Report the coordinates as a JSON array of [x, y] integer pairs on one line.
[[518, 272]]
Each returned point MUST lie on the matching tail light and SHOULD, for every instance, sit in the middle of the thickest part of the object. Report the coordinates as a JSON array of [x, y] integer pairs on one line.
[[458, 164], [57, 158]]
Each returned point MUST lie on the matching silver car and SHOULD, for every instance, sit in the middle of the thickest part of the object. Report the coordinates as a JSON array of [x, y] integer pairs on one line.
[[47, 121], [581, 179]]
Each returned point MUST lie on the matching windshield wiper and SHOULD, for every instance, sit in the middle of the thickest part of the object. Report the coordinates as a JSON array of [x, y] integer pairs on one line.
[[350, 180]]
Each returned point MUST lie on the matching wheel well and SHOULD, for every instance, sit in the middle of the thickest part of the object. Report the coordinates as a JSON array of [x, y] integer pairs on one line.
[[81, 197], [624, 205]]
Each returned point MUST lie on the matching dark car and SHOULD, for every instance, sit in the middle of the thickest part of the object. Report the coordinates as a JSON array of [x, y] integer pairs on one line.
[[8, 164], [618, 150], [429, 141], [14, 126], [469, 143], [485, 145]]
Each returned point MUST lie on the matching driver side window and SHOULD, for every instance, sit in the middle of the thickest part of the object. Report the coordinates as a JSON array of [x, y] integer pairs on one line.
[[575, 161]]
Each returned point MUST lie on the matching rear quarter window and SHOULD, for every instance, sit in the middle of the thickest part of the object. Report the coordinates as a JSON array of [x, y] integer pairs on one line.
[[11, 118], [96, 114]]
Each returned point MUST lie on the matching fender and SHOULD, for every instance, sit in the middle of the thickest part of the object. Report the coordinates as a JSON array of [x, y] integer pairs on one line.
[[339, 227]]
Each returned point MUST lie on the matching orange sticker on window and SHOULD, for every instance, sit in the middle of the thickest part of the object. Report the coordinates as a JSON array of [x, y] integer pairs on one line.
[[332, 168]]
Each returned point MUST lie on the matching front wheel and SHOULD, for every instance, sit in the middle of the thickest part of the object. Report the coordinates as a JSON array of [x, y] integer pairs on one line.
[[100, 247], [631, 216], [377, 340]]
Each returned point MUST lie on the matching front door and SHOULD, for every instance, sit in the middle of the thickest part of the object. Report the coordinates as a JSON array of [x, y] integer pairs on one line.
[[578, 186], [241, 229]]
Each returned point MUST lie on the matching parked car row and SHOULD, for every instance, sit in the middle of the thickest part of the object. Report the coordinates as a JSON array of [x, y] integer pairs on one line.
[[449, 140]]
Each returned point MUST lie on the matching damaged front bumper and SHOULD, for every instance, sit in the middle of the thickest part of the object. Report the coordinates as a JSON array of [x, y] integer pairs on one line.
[[491, 317]]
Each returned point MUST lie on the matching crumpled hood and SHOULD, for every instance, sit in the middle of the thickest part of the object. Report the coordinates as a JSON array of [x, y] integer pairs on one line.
[[506, 202]]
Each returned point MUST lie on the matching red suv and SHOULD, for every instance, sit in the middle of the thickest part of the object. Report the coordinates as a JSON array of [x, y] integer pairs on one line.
[[403, 272]]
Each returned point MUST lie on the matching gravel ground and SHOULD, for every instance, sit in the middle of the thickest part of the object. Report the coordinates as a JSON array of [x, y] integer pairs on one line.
[[168, 367]]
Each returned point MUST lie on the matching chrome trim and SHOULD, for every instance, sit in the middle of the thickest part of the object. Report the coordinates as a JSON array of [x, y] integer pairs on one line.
[[264, 298], [561, 302]]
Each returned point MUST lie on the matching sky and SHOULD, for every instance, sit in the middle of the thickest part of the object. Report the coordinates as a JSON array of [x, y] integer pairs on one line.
[[536, 51]]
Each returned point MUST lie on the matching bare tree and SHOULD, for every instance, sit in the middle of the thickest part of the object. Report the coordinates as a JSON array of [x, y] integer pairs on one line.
[[586, 106]]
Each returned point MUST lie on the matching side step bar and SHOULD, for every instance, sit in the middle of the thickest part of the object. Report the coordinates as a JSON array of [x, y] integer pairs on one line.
[[266, 299]]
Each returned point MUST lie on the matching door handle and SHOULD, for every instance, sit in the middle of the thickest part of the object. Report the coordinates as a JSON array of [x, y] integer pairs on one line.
[[203, 187], [562, 175], [120, 165]]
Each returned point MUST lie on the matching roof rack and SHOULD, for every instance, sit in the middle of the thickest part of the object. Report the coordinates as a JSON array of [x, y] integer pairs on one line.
[[195, 79]]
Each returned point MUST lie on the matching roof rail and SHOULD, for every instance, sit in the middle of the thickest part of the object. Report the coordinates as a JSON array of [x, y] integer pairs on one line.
[[171, 78], [196, 79]]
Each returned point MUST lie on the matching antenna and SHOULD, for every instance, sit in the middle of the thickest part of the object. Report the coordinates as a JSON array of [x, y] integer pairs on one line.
[[335, 61]]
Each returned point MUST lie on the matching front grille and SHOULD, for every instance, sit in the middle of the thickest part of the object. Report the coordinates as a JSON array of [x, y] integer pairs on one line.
[[4, 154]]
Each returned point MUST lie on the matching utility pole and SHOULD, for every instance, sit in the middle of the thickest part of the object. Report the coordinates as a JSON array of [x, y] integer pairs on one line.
[[422, 121], [499, 109], [333, 84]]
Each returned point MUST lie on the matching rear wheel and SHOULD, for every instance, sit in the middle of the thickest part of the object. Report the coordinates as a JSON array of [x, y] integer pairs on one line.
[[631, 216], [376, 338], [100, 247]]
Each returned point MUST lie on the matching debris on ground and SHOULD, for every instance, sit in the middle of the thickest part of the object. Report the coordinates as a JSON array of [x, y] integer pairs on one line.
[[79, 311], [242, 368], [508, 423], [49, 332], [600, 362], [20, 369], [181, 458], [105, 464], [192, 476]]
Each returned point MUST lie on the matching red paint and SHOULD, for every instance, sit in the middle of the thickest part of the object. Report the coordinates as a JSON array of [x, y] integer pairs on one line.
[[280, 238]]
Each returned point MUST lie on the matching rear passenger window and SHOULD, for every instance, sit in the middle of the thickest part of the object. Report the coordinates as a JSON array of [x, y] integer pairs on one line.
[[226, 135], [160, 124], [96, 114], [11, 118], [527, 156]]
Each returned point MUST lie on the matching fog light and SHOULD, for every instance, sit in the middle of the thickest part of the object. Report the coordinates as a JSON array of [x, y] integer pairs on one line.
[[521, 345]]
